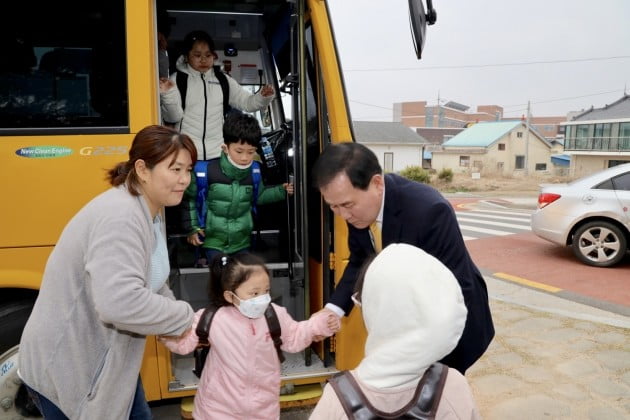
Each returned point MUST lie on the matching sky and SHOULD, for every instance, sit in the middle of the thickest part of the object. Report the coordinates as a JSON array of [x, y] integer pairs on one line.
[[560, 55]]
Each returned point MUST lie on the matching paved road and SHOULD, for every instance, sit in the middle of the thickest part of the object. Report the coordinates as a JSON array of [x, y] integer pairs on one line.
[[499, 238]]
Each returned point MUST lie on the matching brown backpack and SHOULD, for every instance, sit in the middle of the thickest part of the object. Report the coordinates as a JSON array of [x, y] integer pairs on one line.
[[423, 405]]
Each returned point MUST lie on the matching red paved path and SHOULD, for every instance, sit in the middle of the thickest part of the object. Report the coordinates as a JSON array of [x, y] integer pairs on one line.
[[527, 256]]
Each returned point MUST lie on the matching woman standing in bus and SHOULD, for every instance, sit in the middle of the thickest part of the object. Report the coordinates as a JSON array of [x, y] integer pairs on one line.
[[193, 98], [105, 289]]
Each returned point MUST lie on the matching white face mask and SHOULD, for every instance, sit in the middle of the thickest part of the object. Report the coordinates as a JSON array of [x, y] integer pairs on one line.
[[237, 165], [254, 307]]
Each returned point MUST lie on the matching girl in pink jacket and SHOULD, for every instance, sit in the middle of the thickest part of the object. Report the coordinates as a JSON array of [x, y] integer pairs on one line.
[[241, 379]]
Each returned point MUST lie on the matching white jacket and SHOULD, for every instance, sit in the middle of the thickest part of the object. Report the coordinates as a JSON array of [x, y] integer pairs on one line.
[[202, 118], [414, 313]]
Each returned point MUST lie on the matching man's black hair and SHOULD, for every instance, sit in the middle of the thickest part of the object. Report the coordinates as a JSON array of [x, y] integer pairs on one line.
[[241, 128], [358, 162]]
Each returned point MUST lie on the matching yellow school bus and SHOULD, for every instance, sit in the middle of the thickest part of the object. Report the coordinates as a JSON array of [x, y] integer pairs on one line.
[[80, 78]]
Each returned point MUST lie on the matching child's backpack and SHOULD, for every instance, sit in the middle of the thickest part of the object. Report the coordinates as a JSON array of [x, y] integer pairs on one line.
[[203, 330], [205, 169], [423, 405]]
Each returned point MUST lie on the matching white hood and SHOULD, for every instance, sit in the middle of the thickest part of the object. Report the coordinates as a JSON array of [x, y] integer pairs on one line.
[[414, 313]]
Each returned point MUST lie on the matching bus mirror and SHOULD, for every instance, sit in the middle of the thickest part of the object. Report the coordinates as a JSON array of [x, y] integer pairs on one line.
[[418, 20]]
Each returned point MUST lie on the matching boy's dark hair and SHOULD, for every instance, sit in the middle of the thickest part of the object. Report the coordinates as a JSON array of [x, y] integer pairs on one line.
[[201, 36], [228, 272], [358, 162], [241, 128]]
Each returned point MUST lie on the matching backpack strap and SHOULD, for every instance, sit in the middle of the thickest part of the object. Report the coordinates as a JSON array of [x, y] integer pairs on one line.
[[274, 330], [200, 354], [181, 79], [430, 392], [201, 178], [203, 327], [423, 404], [256, 178], [225, 88]]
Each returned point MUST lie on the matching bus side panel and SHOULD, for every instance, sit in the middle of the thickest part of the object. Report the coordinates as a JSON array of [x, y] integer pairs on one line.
[[350, 340], [338, 115], [43, 193], [22, 268], [142, 64]]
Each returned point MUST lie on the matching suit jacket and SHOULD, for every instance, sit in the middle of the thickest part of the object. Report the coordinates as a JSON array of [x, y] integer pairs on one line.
[[419, 215]]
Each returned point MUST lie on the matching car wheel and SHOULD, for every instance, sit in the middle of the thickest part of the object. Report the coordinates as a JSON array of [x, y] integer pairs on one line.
[[600, 244]]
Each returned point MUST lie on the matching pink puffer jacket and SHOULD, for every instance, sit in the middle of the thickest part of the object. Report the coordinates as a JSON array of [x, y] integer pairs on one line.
[[241, 378]]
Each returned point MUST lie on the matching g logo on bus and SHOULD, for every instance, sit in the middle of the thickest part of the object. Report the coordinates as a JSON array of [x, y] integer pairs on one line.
[[103, 150]]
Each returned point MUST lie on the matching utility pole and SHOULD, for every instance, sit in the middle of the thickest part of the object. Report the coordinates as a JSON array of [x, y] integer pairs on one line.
[[439, 110], [527, 141]]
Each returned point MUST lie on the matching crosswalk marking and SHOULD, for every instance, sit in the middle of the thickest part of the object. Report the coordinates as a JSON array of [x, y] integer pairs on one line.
[[523, 213], [495, 217], [490, 222], [484, 230], [482, 223]]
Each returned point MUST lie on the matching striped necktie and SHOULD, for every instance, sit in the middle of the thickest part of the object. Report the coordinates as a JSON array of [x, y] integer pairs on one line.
[[375, 234]]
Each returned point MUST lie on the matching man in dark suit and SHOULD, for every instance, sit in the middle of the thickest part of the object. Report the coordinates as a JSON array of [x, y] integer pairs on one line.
[[351, 181]]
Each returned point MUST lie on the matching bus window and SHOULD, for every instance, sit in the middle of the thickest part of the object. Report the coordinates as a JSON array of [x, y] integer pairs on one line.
[[63, 68]]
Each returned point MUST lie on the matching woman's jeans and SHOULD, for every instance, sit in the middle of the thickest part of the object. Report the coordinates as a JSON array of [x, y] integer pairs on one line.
[[140, 410]]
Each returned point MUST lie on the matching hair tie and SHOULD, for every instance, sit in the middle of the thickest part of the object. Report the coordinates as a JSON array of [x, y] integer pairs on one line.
[[224, 261]]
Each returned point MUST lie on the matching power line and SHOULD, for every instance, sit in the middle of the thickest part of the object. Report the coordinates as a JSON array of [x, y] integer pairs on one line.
[[473, 66], [563, 99], [520, 106]]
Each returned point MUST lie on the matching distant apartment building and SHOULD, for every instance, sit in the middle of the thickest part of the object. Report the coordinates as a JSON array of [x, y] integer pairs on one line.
[[599, 137], [454, 115], [449, 115]]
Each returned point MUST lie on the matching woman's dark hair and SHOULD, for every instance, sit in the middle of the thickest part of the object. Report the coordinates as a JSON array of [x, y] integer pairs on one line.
[[152, 144], [358, 285], [228, 272], [241, 128], [198, 36], [358, 162]]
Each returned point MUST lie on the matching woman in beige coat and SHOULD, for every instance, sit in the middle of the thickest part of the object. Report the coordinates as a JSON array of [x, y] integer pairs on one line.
[[414, 314]]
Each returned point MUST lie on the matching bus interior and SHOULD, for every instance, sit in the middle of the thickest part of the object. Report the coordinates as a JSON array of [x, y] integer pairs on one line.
[[253, 44]]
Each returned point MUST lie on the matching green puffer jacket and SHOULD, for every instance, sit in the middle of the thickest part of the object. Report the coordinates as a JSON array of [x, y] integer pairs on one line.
[[229, 221]]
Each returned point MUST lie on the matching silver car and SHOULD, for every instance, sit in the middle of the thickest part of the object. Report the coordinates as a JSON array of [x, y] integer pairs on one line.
[[591, 214]]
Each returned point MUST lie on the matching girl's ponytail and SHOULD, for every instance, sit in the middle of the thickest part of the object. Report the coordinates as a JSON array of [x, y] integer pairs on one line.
[[218, 270]]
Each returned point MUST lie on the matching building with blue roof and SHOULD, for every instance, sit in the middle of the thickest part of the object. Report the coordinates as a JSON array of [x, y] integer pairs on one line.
[[495, 147]]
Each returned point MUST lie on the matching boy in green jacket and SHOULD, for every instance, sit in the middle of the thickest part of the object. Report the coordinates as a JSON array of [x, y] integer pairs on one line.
[[230, 192]]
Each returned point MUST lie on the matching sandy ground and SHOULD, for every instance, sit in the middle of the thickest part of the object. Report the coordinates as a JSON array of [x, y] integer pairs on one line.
[[497, 185]]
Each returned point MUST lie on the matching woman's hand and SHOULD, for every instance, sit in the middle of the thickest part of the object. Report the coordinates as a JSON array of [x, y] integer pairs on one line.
[[288, 187]]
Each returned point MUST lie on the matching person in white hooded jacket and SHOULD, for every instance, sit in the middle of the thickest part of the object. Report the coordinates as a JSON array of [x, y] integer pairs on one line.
[[201, 115], [414, 313]]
